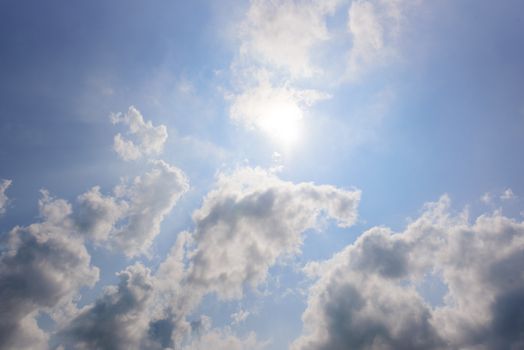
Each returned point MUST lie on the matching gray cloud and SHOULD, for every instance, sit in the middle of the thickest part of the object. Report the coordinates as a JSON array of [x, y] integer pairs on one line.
[[255, 218], [42, 267], [4, 200], [131, 218], [366, 297], [150, 198], [96, 214], [118, 319]]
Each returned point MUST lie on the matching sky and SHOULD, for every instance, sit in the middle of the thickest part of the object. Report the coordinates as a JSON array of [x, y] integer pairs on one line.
[[279, 174]]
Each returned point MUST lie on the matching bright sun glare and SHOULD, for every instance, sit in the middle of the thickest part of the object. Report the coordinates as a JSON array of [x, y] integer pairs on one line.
[[283, 123]]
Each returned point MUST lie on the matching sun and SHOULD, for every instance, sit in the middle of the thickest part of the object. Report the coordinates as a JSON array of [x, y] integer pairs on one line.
[[282, 122]]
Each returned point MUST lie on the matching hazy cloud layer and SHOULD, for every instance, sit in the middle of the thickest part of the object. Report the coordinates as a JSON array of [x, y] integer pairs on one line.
[[145, 138], [4, 200], [283, 33], [367, 297], [374, 27], [42, 267]]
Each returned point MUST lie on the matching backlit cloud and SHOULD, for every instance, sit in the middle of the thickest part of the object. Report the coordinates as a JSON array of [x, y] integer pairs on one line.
[[42, 268], [146, 139], [283, 33], [366, 296]]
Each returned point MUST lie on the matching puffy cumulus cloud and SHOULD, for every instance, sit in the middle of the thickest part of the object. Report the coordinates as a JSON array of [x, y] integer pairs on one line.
[[277, 111], [150, 198], [282, 33], [97, 214], [255, 218], [42, 267], [4, 185], [374, 27], [117, 320], [147, 139], [131, 218], [367, 298]]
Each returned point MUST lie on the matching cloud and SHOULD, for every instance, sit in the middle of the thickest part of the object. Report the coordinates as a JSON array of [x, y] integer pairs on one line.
[[96, 214], [283, 33], [374, 28], [147, 140], [4, 200], [486, 198], [277, 111], [507, 194], [117, 320], [150, 198], [366, 295], [131, 218], [239, 316], [42, 267], [224, 339], [256, 218]]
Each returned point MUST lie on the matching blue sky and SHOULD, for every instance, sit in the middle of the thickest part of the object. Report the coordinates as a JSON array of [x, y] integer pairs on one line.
[[248, 174]]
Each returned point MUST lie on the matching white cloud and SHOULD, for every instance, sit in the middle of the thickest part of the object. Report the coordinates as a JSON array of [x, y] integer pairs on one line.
[[131, 218], [256, 218], [4, 200], [283, 33], [147, 139], [486, 198], [239, 316], [42, 267], [507, 194], [374, 27], [366, 295], [277, 111], [150, 198]]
